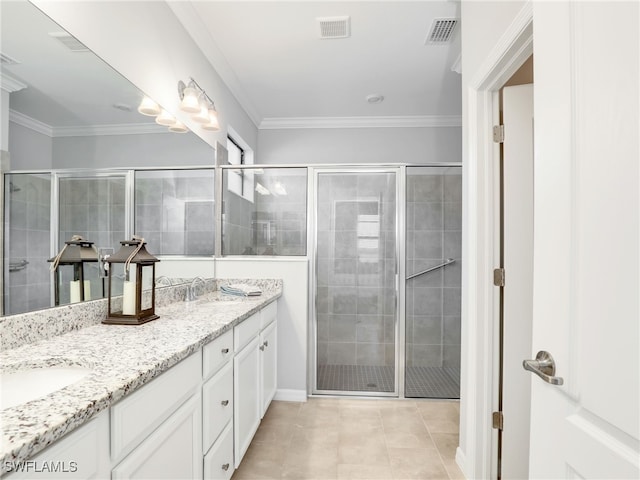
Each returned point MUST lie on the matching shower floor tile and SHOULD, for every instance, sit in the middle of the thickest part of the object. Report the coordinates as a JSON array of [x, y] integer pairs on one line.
[[421, 382]]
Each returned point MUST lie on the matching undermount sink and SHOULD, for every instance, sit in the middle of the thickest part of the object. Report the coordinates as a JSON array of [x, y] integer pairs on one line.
[[29, 383]]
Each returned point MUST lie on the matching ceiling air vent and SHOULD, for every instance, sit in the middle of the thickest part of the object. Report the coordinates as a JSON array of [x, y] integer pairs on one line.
[[442, 30], [69, 42], [7, 60], [334, 27]]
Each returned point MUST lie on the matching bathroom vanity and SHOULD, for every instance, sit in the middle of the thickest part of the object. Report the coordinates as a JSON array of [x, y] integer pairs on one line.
[[179, 397]]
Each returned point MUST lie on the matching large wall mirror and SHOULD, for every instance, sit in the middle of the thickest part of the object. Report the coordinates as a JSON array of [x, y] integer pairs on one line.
[[76, 144]]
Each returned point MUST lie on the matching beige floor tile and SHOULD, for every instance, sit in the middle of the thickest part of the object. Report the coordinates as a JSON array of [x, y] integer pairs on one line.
[[454, 471], [440, 417], [408, 440], [279, 412], [258, 469], [274, 433], [367, 449], [259, 452], [320, 436], [446, 443], [309, 472], [363, 472], [416, 463]]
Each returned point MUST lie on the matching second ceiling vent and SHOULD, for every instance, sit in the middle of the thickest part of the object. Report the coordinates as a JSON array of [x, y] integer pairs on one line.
[[334, 27], [442, 30]]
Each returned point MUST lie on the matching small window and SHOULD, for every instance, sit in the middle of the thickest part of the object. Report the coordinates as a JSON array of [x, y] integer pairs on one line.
[[240, 181]]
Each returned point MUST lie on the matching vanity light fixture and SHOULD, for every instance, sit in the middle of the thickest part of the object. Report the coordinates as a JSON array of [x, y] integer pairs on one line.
[[132, 284], [194, 99], [149, 107], [165, 119], [178, 127], [71, 269]]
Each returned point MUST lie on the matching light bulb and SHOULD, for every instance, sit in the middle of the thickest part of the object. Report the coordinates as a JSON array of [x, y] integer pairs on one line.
[[149, 107], [202, 116], [178, 127], [212, 123], [165, 118], [190, 102]]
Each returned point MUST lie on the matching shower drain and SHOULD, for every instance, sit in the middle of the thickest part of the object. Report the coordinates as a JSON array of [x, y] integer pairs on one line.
[[372, 385]]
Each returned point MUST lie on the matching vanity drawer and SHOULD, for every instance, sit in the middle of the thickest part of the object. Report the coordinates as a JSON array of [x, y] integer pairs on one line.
[[216, 353], [244, 332], [218, 463], [137, 415], [217, 404], [268, 314]]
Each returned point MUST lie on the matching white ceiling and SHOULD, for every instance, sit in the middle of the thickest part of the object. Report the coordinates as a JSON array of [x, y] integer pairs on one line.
[[270, 55]]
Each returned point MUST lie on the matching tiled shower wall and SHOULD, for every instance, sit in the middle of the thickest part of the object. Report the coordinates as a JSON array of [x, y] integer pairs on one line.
[[434, 233], [28, 199], [356, 269]]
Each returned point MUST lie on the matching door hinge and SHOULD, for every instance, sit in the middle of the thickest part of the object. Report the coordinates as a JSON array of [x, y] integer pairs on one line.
[[498, 420], [498, 277], [498, 133]]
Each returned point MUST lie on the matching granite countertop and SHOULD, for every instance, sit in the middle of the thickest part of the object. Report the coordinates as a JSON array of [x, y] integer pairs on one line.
[[122, 359]]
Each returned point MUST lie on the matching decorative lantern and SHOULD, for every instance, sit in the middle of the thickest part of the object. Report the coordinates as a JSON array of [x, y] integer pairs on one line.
[[132, 278], [73, 278]]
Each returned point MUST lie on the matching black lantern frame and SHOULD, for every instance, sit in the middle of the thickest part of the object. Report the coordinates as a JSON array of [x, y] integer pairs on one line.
[[78, 254], [134, 307]]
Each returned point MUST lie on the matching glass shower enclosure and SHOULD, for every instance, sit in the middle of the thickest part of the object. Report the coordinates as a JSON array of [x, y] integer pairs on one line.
[[386, 282]]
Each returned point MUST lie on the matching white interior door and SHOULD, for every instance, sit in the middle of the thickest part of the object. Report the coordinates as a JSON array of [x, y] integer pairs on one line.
[[517, 115], [586, 241]]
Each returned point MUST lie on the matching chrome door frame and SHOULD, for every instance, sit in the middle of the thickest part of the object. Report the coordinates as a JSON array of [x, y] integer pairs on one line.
[[312, 243]]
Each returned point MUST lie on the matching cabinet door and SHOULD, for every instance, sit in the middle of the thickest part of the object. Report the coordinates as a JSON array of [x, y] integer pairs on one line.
[[269, 377], [172, 451], [246, 393], [82, 454]]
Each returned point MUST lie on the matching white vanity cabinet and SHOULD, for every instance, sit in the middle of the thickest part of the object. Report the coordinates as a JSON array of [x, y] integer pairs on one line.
[[254, 375], [156, 432], [82, 454]]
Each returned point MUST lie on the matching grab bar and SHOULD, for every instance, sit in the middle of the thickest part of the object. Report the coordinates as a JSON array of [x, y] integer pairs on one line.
[[448, 261], [15, 266]]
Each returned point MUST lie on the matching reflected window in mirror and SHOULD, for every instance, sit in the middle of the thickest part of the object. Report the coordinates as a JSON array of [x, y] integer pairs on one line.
[[174, 211]]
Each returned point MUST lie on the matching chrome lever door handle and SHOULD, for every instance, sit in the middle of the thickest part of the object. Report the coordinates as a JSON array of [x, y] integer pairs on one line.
[[544, 367]]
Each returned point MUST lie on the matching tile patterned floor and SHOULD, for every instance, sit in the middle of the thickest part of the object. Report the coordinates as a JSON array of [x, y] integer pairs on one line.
[[421, 382], [349, 439]]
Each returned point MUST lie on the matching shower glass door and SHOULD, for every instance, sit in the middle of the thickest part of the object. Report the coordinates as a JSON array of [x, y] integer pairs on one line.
[[356, 286]]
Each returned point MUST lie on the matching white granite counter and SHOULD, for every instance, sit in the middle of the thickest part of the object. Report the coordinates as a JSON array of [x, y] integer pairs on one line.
[[122, 359]]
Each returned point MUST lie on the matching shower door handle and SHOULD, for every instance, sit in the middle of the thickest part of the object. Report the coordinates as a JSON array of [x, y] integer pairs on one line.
[[544, 367]]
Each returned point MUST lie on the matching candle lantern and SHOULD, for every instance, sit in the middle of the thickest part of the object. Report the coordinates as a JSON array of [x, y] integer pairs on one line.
[[73, 276], [132, 285]]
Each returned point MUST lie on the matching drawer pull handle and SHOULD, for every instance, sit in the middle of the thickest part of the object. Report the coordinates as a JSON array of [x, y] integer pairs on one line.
[[225, 467], [225, 351], [266, 343], [224, 403], [262, 347]]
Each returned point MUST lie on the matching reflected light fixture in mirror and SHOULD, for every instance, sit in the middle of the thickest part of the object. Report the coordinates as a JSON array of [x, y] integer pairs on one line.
[[165, 119], [149, 107], [178, 127]]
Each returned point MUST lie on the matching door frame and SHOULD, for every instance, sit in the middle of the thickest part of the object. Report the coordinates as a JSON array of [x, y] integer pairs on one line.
[[481, 241], [312, 238]]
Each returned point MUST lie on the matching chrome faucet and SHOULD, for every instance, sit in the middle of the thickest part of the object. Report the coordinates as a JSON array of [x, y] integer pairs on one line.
[[192, 293], [163, 280]]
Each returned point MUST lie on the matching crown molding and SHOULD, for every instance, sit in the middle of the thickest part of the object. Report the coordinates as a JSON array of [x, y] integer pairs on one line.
[[85, 131], [101, 130], [30, 123], [416, 121], [11, 84]]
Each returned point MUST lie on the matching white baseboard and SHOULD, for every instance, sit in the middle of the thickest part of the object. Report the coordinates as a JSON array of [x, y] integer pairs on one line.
[[461, 460], [291, 395]]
